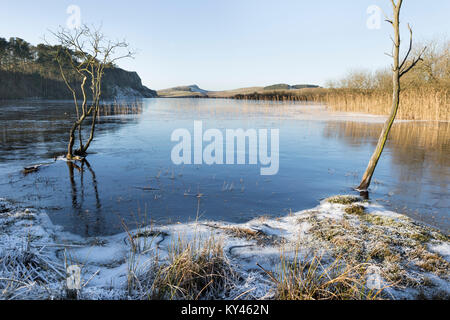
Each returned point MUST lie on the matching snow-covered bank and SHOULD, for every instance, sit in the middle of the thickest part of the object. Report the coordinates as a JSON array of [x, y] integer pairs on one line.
[[412, 259]]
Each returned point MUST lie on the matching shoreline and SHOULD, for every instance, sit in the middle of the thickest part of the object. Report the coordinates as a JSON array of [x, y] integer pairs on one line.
[[412, 258], [341, 114], [424, 103]]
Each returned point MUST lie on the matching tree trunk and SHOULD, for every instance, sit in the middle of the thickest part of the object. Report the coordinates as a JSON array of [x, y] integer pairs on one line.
[[367, 178], [71, 141], [91, 137], [70, 153]]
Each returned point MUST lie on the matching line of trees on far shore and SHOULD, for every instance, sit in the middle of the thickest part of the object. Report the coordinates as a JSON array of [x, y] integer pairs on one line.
[[432, 71]]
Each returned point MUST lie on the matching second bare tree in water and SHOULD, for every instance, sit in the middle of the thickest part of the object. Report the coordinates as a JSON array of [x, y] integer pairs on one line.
[[399, 69]]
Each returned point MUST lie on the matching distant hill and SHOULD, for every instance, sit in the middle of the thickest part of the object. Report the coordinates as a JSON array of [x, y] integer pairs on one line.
[[194, 91], [183, 92], [191, 88]]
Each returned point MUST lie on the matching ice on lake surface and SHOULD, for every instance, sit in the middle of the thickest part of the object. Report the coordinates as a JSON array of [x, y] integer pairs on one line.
[[130, 175]]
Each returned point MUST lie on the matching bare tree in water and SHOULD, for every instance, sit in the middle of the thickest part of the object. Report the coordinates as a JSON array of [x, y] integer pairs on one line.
[[399, 69], [84, 54]]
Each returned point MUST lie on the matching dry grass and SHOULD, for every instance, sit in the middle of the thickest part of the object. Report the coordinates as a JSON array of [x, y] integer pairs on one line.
[[232, 93], [425, 103], [192, 270], [243, 233], [248, 234], [345, 200], [311, 279], [416, 103], [355, 209], [25, 270], [315, 95], [429, 261], [121, 108], [396, 245]]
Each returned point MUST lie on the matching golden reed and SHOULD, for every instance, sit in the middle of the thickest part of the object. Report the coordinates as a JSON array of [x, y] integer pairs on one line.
[[415, 104], [424, 103]]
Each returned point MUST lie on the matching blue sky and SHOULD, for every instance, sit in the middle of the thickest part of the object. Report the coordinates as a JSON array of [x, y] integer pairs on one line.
[[235, 43]]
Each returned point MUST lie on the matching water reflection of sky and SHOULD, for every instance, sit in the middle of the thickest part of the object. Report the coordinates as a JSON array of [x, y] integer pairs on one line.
[[130, 176]]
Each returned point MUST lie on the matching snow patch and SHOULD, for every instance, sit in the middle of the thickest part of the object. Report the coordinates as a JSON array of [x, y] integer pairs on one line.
[[107, 261]]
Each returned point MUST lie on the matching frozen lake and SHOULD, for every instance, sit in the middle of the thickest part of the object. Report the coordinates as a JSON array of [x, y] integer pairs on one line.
[[130, 175]]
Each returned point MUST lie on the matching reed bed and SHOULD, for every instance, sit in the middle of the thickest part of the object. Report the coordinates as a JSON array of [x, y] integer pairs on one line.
[[281, 96], [120, 108], [424, 103], [415, 104]]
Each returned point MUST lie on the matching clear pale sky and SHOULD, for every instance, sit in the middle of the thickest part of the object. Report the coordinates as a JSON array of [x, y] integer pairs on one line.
[[226, 44]]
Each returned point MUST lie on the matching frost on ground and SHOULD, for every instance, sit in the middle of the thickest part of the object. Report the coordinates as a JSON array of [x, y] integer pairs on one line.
[[410, 260]]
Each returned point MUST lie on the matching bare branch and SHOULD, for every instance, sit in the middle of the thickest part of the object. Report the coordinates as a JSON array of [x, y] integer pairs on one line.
[[413, 63], [410, 47], [392, 39]]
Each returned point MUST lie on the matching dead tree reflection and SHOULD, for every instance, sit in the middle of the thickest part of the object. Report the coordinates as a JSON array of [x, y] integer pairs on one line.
[[81, 191]]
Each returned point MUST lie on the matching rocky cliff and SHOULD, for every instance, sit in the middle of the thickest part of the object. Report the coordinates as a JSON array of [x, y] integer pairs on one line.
[[118, 83]]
